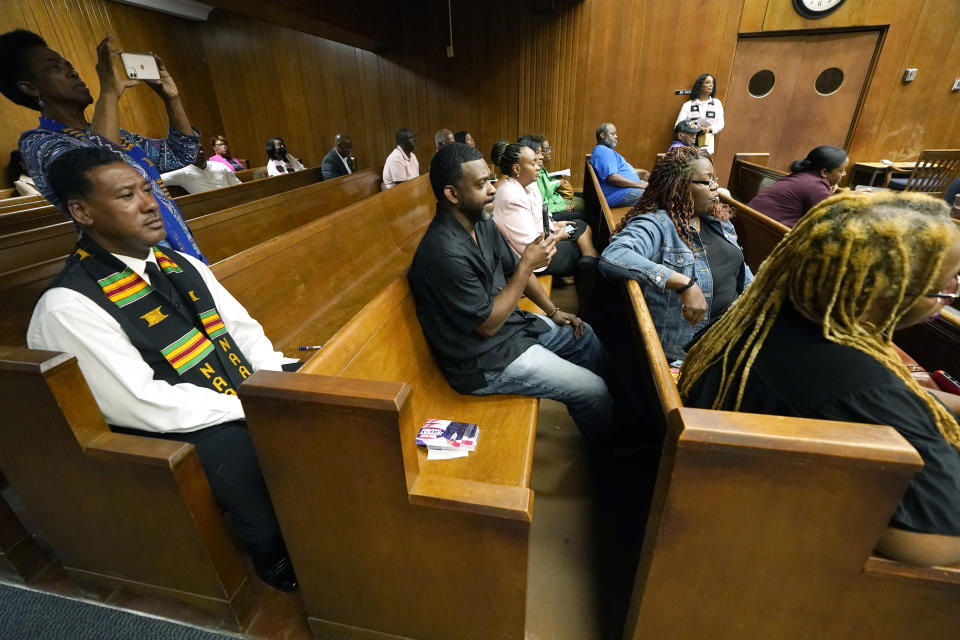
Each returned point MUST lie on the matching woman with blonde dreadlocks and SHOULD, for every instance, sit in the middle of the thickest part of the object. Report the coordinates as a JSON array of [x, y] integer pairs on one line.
[[812, 338], [679, 244]]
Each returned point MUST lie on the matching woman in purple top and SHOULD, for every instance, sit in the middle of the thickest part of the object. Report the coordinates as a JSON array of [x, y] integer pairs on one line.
[[221, 154], [811, 180]]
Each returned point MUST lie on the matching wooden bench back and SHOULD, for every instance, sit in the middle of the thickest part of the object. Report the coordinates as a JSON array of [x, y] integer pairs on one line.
[[121, 512], [394, 517], [256, 173], [305, 284], [934, 171], [9, 205], [748, 177], [191, 206], [758, 234], [37, 244], [744, 502], [224, 233]]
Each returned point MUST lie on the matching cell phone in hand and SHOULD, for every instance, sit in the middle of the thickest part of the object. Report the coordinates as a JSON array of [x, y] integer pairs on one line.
[[569, 229], [140, 66]]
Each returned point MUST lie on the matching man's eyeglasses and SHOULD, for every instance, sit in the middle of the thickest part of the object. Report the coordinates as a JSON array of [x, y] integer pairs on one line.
[[949, 294], [706, 182]]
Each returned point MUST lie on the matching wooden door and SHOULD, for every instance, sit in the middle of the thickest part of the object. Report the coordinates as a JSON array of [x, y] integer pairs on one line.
[[793, 114]]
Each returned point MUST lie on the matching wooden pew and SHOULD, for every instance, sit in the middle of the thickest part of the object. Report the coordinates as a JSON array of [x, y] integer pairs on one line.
[[764, 527], [749, 176], [256, 173], [122, 512], [21, 202], [775, 501], [605, 218], [386, 544], [758, 234], [21, 558], [9, 192], [191, 206], [29, 259], [229, 231]]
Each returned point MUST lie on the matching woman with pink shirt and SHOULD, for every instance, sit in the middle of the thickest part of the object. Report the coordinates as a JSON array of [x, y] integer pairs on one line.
[[221, 154], [520, 216]]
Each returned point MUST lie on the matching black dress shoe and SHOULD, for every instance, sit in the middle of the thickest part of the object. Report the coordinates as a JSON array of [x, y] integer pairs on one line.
[[276, 571]]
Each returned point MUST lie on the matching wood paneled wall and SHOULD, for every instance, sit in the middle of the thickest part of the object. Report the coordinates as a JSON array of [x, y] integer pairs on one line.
[[75, 28], [515, 71]]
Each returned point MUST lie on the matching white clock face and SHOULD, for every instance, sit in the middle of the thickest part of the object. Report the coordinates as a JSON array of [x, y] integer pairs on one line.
[[820, 5]]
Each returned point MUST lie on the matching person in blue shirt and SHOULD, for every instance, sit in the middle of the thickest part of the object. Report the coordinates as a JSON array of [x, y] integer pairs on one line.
[[622, 185]]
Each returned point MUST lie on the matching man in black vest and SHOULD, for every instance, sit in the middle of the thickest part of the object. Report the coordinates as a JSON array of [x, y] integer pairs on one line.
[[162, 345]]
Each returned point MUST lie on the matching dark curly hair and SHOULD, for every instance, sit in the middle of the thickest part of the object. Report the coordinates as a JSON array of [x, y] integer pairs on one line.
[[14, 46], [669, 190], [695, 92]]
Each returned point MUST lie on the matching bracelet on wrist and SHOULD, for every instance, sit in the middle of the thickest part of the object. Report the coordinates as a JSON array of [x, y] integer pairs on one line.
[[554, 312], [689, 284]]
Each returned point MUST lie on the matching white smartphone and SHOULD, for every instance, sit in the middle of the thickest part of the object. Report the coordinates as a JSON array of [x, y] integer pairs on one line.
[[140, 66]]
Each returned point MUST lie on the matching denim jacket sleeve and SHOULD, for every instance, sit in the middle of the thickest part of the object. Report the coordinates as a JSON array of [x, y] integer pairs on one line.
[[634, 254]]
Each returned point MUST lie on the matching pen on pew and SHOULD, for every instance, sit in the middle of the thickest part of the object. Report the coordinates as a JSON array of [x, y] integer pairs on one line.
[[310, 347]]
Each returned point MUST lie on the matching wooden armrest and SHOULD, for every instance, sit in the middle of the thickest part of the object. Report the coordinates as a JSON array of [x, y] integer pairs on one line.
[[305, 389], [125, 448], [502, 501], [859, 443], [948, 576]]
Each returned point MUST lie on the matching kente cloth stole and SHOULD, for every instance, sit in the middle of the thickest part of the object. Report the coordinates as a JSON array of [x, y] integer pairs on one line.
[[178, 234], [193, 340]]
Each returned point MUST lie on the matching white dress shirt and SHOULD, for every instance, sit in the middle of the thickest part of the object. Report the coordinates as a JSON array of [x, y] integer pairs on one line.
[[194, 179], [122, 382]]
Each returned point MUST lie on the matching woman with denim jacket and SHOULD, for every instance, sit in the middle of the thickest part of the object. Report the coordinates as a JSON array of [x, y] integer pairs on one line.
[[679, 244]]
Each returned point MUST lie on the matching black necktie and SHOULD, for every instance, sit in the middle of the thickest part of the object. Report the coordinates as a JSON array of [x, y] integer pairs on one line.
[[159, 281]]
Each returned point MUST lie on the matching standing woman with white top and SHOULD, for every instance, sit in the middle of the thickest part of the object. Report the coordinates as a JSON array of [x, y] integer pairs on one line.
[[705, 109]]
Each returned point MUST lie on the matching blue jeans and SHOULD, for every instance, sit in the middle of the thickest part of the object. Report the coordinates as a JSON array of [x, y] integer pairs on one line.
[[565, 369], [628, 199]]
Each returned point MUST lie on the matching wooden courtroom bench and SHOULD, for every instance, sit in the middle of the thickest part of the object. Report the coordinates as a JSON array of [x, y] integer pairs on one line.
[[787, 514], [257, 173], [305, 284], [21, 202], [122, 512], [21, 558], [383, 540], [29, 233], [221, 234], [764, 527], [749, 175]]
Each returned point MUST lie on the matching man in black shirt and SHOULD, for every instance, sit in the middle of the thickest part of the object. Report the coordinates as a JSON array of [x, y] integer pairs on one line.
[[466, 282]]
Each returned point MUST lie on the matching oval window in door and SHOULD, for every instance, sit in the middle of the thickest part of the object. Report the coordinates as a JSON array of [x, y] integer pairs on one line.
[[761, 83], [829, 81]]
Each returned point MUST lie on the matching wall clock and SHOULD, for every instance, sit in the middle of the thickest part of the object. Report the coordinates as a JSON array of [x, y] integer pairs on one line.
[[816, 8]]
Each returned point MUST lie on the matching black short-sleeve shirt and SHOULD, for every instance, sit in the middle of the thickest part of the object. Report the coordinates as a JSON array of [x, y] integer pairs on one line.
[[800, 373], [454, 282]]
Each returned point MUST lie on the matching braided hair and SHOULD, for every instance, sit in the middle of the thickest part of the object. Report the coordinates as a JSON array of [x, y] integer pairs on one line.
[[849, 255], [669, 190]]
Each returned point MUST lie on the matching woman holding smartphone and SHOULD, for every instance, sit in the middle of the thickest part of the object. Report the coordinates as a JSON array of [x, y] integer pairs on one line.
[[39, 78]]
